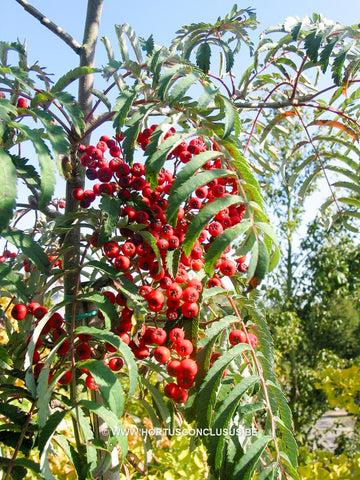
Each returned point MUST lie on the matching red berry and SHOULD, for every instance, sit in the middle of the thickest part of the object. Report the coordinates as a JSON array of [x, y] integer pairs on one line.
[[122, 262], [65, 378], [190, 294], [162, 354], [83, 351], [40, 312], [173, 368], [237, 336], [253, 339], [22, 102], [185, 381], [190, 309], [111, 249], [90, 382], [184, 347], [19, 311], [158, 336], [180, 395], [176, 334], [171, 389], [174, 291], [32, 307], [227, 267], [116, 363], [188, 367]]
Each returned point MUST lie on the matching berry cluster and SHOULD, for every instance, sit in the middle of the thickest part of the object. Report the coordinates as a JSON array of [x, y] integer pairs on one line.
[[6, 255], [141, 248]]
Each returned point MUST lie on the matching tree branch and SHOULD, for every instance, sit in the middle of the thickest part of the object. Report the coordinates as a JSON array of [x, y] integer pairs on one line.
[[67, 38]]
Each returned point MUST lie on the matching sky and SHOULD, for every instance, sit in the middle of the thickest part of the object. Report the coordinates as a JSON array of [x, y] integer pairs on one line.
[[161, 18]]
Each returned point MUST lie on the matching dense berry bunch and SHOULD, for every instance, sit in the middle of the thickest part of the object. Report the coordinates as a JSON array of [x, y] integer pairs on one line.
[[142, 246]]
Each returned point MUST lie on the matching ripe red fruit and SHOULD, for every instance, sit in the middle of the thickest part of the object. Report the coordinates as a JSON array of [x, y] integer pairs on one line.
[[174, 291], [170, 389], [190, 309], [162, 354], [190, 294], [116, 364], [65, 378], [56, 320], [185, 381], [253, 340], [215, 229], [155, 300], [180, 395], [64, 347], [188, 367], [90, 382], [40, 312], [83, 351], [237, 336], [111, 249], [158, 336], [122, 262], [78, 194], [176, 334], [32, 307], [184, 347], [22, 103], [227, 267], [19, 311], [84, 337], [173, 368]]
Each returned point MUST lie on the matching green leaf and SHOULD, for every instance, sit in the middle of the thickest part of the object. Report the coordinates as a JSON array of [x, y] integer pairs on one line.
[[223, 418], [129, 142], [181, 86], [47, 164], [221, 242], [110, 207], [73, 109], [111, 391], [7, 189], [30, 249], [203, 55], [206, 397], [122, 108], [158, 402], [180, 192], [111, 420], [176, 196], [103, 304], [204, 216], [122, 348], [230, 114], [55, 133], [48, 431], [70, 76], [26, 171], [247, 464], [339, 61], [134, 41]]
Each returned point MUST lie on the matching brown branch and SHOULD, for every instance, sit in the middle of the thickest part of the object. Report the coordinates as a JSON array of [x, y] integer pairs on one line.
[[60, 32]]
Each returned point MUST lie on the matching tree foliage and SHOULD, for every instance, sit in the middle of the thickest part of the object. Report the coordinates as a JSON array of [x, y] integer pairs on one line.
[[167, 102]]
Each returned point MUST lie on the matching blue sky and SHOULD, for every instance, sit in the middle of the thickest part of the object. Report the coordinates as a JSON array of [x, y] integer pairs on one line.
[[159, 17]]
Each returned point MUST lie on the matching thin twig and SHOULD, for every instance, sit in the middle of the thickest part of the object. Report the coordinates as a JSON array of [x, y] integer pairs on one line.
[[60, 32]]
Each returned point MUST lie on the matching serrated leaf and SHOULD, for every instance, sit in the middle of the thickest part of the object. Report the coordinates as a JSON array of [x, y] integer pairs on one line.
[[223, 418], [248, 462], [48, 431], [7, 189], [129, 142], [230, 114], [103, 304], [111, 391], [30, 248], [73, 109], [159, 402], [123, 349], [203, 55], [181, 86], [172, 261], [206, 397], [134, 41], [221, 242], [46, 162], [111, 207], [70, 76], [203, 217], [339, 61], [55, 133], [122, 108]]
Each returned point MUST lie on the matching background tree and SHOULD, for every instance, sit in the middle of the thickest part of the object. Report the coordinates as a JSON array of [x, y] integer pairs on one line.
[[97, 272]]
